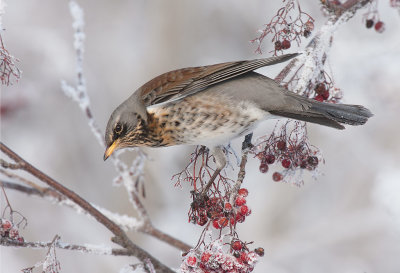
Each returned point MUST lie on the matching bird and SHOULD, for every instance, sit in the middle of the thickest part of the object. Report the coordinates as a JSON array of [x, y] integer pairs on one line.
[[211, 105]]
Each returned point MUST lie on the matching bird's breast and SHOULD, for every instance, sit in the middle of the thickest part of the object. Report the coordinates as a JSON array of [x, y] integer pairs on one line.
[[203, 118]]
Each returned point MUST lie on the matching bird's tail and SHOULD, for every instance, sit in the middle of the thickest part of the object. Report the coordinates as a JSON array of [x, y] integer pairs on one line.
[[329, 114]]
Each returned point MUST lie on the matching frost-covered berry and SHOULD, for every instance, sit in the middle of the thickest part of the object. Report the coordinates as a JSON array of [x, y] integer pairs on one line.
[[240, 218], [319, 98], [285, 44], [240, 201], [309, 25], [380, 27], [215, 224], [259, 251], [228, 207], [263, 167], [277, 176], [286, 163], [312, 160], [325, 94], [281, 145], [191, 261], [270, 158], [278, 45], [5, 224], [320, 88], [369, 23], [244, 210], [223, 222], [13, 233], [236, 245], [306, 33], [205, 257], [243, 192]]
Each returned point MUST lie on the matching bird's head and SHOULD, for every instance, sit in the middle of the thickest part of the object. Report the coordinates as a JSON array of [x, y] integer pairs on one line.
[[125, 126]]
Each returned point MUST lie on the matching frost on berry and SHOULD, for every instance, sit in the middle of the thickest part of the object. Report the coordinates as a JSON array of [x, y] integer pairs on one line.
[[290, 24], [220, 256], [289, 146]]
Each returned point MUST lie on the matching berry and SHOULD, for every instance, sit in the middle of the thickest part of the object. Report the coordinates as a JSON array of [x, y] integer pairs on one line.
[[263, 167], [228, 206], [244, 257], [5, 224], [380, 27], [281, 145], [243, 192], [320, 88], [223, 222], [325, 94], [202, 221], [319, 98], [13, 233], [236, 245], [285, 44], [286, 163], [303, 164], [369, 23], [20, 239], [270, 158], [191, 261], [306, 33], [215, 224], [309, 26], [205, 257], [277, 176], [240, 218], [278, 45], [312, 160], [244, 210], [240, 201], [259, 251]]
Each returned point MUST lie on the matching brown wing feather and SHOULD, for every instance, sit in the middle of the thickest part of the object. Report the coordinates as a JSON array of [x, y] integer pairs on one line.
[[183, 82]]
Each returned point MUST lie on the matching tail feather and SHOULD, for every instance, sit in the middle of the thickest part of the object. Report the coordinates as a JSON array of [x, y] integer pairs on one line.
[[328, 114]]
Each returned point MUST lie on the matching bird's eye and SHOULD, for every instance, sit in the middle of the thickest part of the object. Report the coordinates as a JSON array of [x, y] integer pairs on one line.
[[118, 129]]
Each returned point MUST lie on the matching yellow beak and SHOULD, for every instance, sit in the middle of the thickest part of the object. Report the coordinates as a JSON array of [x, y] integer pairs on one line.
[[111, 149]]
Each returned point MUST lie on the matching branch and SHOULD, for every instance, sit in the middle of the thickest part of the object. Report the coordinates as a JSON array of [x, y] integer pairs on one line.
[[91, 249], [121, 236]]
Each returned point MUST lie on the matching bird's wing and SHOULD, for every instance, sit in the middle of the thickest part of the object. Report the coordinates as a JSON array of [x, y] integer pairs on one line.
[[180, 83]]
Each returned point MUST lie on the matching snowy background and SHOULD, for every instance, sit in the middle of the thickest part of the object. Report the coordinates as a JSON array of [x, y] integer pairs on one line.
[[347, 221]]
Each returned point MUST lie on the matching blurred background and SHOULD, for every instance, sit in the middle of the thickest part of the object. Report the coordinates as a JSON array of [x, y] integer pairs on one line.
[[346, 221]]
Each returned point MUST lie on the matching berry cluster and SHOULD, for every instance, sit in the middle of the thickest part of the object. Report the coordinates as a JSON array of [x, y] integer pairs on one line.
[[289, 24], [8, 230], [291, 150], [220, 212], [215, 260], [379, 26]]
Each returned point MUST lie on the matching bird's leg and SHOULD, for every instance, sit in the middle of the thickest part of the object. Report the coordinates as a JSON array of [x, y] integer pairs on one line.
[[220, 161]]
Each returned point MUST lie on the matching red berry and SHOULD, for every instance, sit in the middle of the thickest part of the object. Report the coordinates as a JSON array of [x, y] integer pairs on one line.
[[240, 218], [278, 45], [281, 145], [216, 224], [319, 98], [223, 222], [205, 257], [228, 206], [202, 220], [191, 261], [325, 94], [5, 224], [233, 221], [309, 25], [270, 158], [240, 201], [320, 88], [285, 44], [244, 257], [243, 192], [244, 209], [312, 160], [259, 251], [286, 163], [263, 167], [236, 245], [277, 176], [380, 27], [369, 23], [20, 239]]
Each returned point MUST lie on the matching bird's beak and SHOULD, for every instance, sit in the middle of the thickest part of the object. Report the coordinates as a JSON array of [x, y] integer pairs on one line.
[[110, 149]]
